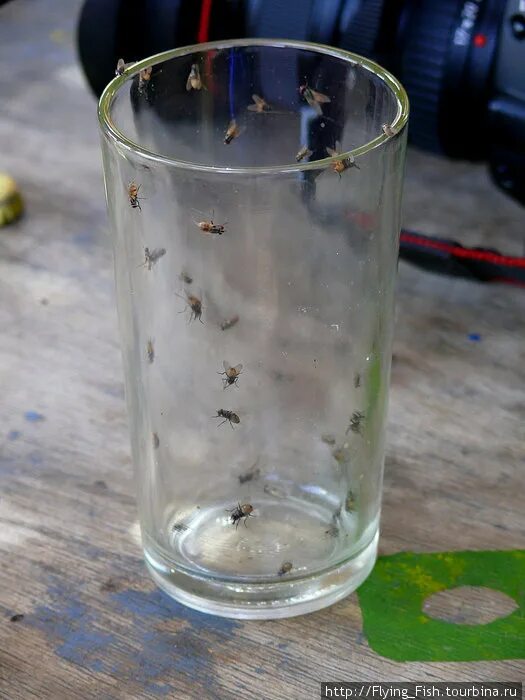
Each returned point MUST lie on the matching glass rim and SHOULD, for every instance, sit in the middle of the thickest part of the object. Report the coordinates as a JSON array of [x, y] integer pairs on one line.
[[113, 133]]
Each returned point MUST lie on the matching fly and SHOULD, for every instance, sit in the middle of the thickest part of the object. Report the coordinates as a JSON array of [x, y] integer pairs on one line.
[[239, 512], [356, 422], [302, 153], [150, 351], [210, 227], [341, 164], [121, 66], [231, 374], [194, 81], [231, 132], [328, 439], [133, 195], [286, 567], [184, 277], [229, 323], [152, 256], [229, 417], [252, 474], [315, 99], [260, 105], [144, 79], [195, 305], [350, 501]]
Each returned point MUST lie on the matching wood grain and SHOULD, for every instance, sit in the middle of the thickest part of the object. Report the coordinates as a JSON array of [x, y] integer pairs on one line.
[[94, 625]]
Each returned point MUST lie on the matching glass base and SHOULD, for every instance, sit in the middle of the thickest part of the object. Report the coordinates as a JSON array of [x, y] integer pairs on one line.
[[262, 600]]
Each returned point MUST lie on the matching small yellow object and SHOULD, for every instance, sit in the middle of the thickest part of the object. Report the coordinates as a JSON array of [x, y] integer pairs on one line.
[[11, 203]]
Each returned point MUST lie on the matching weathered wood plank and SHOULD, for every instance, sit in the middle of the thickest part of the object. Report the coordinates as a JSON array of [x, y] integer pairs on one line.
[[94, 625]]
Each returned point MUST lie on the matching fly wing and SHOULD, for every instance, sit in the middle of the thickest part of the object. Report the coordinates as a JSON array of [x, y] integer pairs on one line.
[[226, 365], [314, 105], [319, 97], [331, 152], [303, 153], [258, 105], [188, 82], [238, 369], [157, 253], [198, 77]]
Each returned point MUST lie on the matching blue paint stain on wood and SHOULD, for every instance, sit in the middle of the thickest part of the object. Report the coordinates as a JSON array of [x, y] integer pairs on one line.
[[187, 650], [160, 689], [97, 666], [474, 337], [34, 416], [84, 239], [35, 458], [360, 638], [71, 624], [9, 466], [145, 652], [164, 652], [86, 647], [157, 604], [13, 434]]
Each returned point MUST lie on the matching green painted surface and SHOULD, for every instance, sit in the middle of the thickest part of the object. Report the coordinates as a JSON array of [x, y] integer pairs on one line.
[[374, 387], [392, 601]]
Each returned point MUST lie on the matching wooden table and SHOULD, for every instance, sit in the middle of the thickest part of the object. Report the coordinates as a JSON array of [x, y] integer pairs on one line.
[[94, 624]]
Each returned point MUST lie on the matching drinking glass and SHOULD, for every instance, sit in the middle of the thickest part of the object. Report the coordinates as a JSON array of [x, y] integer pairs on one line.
[[254, 191]]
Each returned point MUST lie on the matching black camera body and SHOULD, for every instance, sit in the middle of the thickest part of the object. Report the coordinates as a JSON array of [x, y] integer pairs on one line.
[[461, 61]]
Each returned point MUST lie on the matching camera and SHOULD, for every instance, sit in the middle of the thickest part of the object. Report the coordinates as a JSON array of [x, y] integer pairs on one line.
[[461, 61]]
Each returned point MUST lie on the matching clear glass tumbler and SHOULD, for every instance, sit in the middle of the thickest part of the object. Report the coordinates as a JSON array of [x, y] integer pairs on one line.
[[254, 193]]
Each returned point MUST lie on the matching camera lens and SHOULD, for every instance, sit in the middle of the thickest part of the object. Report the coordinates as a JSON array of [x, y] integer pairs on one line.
[[443, 52], [458, 59]]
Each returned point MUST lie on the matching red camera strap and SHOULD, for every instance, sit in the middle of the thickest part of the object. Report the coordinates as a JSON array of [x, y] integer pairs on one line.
[[451, 258], [203, 33]]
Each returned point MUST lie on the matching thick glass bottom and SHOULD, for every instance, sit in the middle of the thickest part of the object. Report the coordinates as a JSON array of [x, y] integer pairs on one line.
[[261, 598]]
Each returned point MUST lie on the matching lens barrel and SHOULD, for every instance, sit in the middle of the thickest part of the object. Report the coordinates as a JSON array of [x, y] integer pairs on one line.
[[443, 52]]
